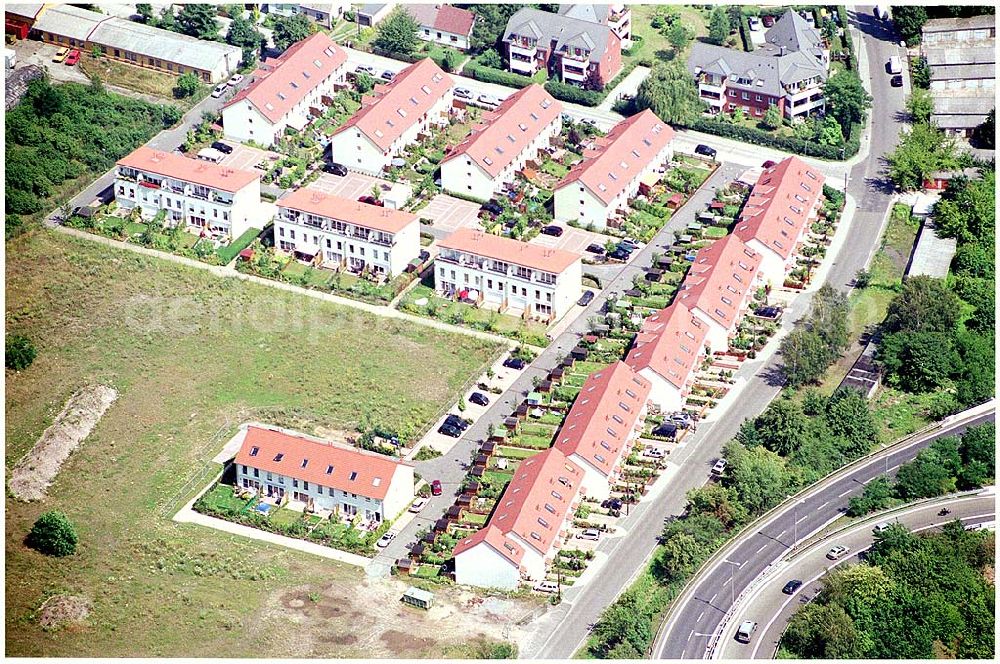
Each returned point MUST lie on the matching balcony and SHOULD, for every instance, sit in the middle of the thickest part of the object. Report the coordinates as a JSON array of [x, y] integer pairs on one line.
[[381, 241]]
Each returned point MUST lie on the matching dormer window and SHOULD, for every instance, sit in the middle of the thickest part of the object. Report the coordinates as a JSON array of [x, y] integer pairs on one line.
[[254, 451], [401, 112], [436, 78], [605, 445], [426, 90], [329, 470], [305, 462], [546, 103], [354, 475], [281, 96], [600, 458], [278, 457]]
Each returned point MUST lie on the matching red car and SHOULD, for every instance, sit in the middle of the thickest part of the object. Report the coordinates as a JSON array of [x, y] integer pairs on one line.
[[371, 200], [73, 57], [768, 164], [436, 488]]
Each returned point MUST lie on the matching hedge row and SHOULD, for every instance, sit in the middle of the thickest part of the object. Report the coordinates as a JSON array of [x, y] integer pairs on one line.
[[499, 76], [847, 40], [787, 143], [745, 33]]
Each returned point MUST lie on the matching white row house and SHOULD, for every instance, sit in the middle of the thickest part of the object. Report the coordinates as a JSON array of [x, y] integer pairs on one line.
[[508, 275], [500, 145], [197, 194], [340, 233], [393, 117], [323, 475]]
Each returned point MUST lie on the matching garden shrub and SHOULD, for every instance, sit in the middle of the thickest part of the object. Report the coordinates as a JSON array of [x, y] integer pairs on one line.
[[53, 535]]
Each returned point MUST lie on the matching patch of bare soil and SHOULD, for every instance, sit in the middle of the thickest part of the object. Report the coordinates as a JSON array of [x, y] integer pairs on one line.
[[400, 643], [34, 473], [60, 610]]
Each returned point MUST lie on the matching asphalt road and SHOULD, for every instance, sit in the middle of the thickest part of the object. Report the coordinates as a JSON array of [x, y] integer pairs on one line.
[[771, 609], [700, 611]]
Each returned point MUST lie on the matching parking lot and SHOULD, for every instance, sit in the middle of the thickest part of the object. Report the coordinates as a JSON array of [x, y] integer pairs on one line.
[[247, 158], [350, 186], [31, 52], [573, 239], [450, 214]]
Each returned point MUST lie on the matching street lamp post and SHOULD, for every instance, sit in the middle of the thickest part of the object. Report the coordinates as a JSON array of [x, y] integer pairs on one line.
[[732, 582]]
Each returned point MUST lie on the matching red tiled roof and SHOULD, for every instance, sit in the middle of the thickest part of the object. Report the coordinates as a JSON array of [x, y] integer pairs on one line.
[[605, 411], [502, 134], [197, 171], [511, 251], [387, 113], [344, 209], [719, 280], [281, 83], [669, 344], [633, 142], [454, 20], [496, 538], [779, 205], [325, 464]]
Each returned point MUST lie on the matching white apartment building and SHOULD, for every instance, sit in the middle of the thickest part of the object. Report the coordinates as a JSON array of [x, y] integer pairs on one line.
[[508, 275], [502, 143], [600, 185], [285, 92], [392, 117], [339, 233], [324, 475], [200, 195]]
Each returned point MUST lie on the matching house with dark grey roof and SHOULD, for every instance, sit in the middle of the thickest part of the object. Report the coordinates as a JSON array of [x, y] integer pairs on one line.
[[961, 55], [572, 50], [787, 72], [618, 17]]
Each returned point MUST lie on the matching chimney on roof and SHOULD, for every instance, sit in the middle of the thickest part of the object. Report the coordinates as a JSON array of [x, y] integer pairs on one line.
[[781, 50]]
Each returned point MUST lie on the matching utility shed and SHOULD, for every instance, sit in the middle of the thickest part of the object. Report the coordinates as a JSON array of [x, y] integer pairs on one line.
[[418, 598]]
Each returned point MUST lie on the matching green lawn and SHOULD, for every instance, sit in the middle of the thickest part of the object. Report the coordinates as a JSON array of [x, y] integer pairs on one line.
[[222, 497], [515, 452], [192, 355], [653, 45], [533, 441]]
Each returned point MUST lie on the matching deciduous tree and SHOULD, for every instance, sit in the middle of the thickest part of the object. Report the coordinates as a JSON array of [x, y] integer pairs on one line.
[[398, 33], [291, 29], [198, 21], [670, 92], [846, 99]]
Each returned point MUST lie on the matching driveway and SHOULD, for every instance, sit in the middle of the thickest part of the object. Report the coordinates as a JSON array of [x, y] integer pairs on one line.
[[627, 88], [450, 214], [246, 158], [351, 186], [31, 52], [573, 239]]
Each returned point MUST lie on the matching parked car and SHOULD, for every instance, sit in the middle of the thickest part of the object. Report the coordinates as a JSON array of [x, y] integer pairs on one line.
[[60, 55], [837, 552], [745, 631], [768, 21], [385, 540], [370, 200], [894, 65], [719, 467], [625, 248], [586, 298], [463, 93], [628, 244], [754, 23], [515, 363], [653, 453], [768, 164], [333, 168], [612, 504], [450, 431], [666, 430], [218, 90], [493, 207], [680, 416], [589, 121], [896, 81], [553, 230], [488, 100], [222, 147], [235, 79], [596, 249], [418, 504], [618, 255], [591, 534], [546, 587], [387, 75], [479, 399], [73, 57], [791, 587], [880, 528], [365, 69], [436, 489], [705, 151], [425, 256], [456, 421]]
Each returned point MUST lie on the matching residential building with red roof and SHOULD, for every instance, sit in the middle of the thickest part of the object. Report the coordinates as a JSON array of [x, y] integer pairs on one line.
[[779, 213], [339, 233], [668, 351], [286, 91], [718, 287], [529, 525], [282, 464], [500, 144], [603, 425], [392, 117], [443, 24], [202, 196], [601, 184], [508, 275]]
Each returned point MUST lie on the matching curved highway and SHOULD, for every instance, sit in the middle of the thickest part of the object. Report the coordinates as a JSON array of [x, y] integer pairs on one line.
[[771, 609], [698, 614]]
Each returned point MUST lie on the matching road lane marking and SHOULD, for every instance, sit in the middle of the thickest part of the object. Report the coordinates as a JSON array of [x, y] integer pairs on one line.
[[824, 504], [700, 615], [802, 518], [781, 534], [713, 598], [762, 547], [894, 468], [845, 493]]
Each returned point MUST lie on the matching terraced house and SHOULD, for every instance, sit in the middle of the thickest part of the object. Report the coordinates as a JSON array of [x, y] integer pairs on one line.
[[201, 196], [322, 475], [788, 71], [778, 214], [668, 351], [528, 526], [718, 288], [571, 50], [599, 186], [285, 92], [508, 275], [393, 117], [339, 233], [502, 143], [603, 425]]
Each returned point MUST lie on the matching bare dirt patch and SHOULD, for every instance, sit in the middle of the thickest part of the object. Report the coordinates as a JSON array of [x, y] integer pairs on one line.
[[400, 643], [34, 473], [60, 610]]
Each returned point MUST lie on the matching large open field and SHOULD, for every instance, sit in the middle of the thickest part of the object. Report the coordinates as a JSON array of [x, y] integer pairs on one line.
[[192, 354]]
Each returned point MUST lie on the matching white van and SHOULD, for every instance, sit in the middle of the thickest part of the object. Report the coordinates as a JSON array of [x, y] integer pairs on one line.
[[745, 631], [895, 65], [880, 528], [211, 154]]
